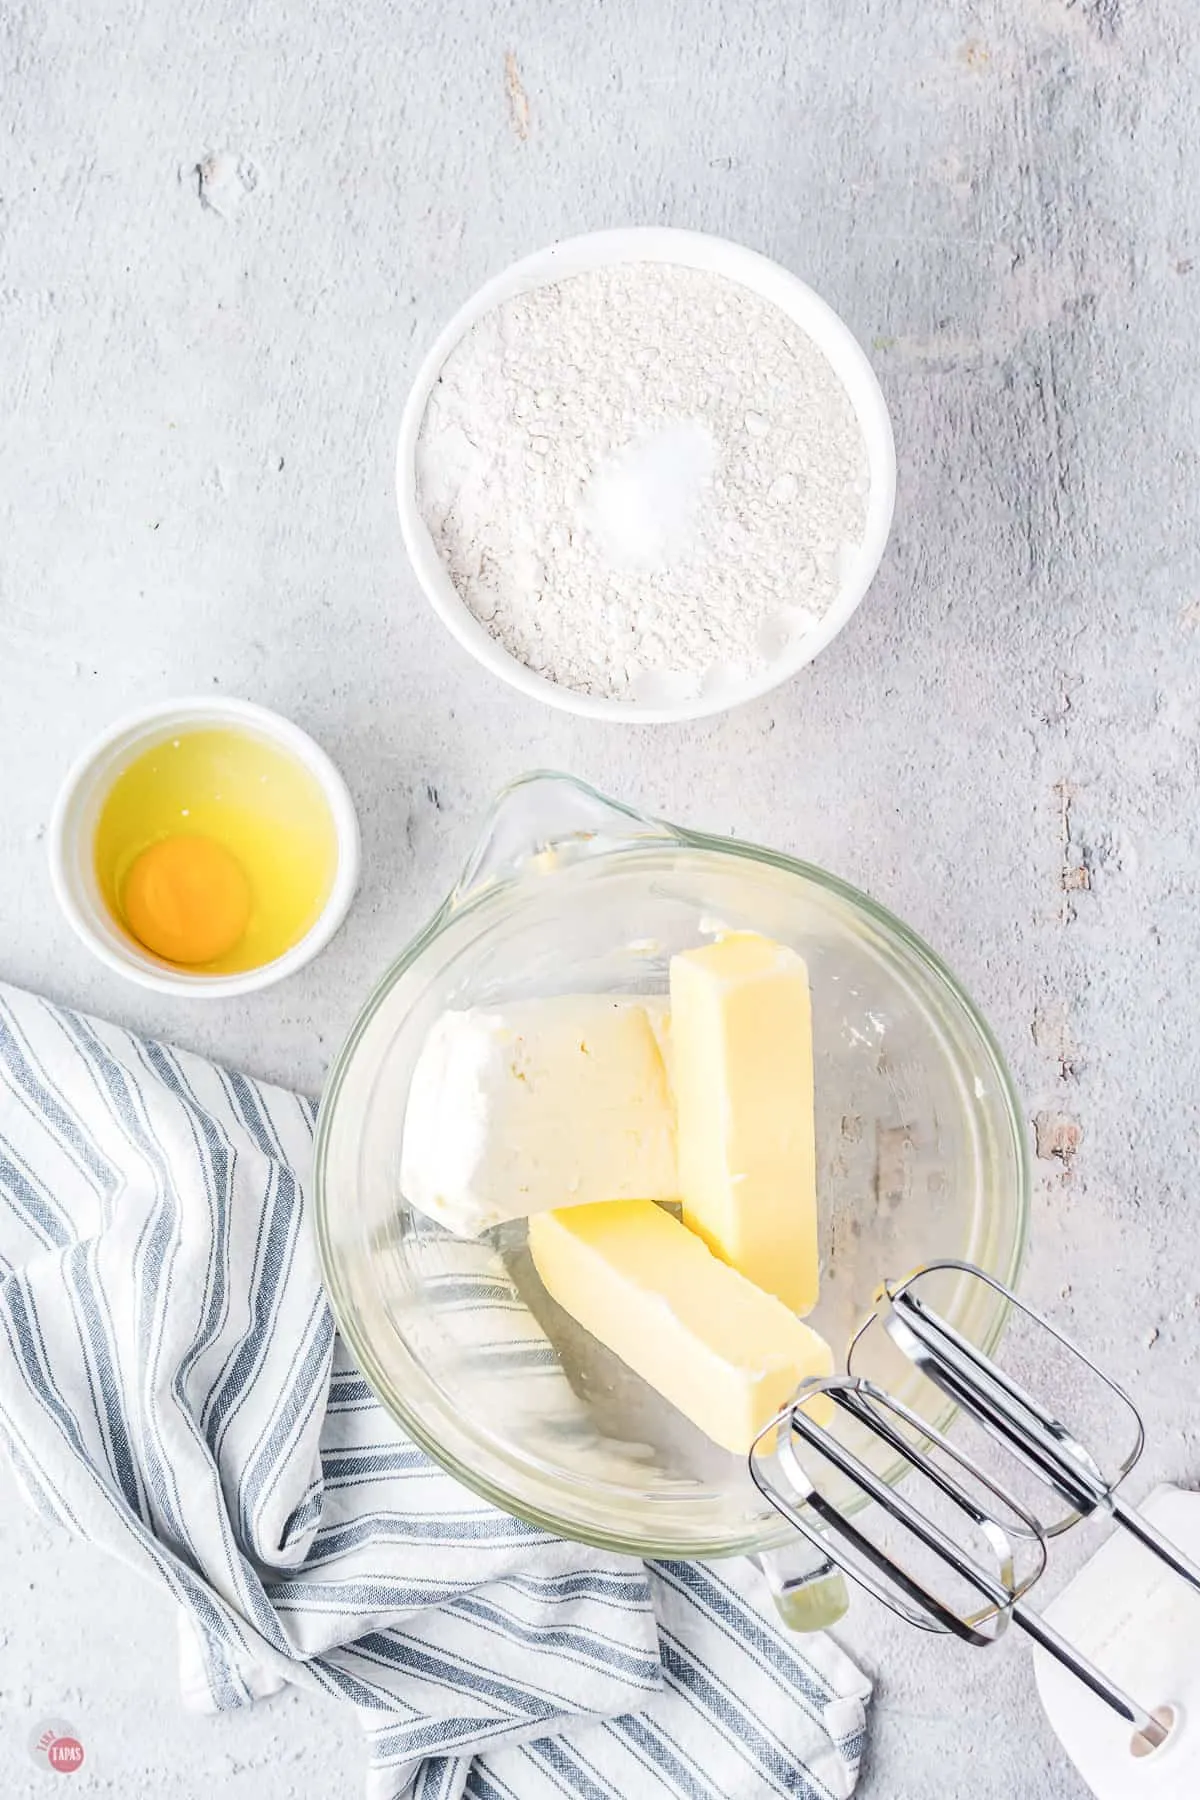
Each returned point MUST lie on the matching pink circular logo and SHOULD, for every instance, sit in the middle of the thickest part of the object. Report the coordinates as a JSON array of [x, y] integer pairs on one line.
[[54, 1745], [66, 1755]]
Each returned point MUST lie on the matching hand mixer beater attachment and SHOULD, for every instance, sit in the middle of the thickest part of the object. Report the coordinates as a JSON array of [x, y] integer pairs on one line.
[[952, 1547]]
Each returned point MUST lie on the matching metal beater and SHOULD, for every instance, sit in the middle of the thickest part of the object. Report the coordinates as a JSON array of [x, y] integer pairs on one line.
[[984, 1597]]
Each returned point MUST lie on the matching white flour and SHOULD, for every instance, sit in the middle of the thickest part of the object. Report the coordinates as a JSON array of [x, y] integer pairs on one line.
[[642, 479]]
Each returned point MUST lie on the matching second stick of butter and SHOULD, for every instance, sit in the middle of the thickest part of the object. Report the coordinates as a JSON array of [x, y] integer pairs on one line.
[[727, 1355], [742, 1053]]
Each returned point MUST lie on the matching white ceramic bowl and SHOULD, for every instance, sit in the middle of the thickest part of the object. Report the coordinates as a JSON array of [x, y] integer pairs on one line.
[[693, 250], [73, 829]]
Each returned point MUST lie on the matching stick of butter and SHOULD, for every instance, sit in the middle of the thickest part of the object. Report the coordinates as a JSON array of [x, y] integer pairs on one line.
[[535, 1104], [742, 1068], [727, 1355]]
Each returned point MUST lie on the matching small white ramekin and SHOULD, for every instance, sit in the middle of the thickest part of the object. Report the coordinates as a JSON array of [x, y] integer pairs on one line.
[[77, 810], [694, 250]]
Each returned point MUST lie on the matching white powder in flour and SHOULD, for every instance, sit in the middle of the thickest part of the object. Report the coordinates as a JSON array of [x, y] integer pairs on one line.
[[642, 479]]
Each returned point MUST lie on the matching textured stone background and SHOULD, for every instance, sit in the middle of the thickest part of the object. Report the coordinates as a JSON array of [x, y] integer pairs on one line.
[[228, 229]]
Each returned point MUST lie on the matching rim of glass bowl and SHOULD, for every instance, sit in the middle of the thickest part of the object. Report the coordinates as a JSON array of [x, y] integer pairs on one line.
[[765, 1536]]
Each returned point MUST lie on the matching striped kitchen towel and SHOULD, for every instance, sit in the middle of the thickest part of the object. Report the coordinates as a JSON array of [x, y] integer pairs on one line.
[[172, 1389]]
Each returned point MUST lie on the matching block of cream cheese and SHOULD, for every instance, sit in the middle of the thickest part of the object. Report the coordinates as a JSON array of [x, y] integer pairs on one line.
[[742, 1068], [535, 1104], [729, 1356]]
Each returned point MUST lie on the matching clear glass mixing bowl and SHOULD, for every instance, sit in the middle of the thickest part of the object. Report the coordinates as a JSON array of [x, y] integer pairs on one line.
[[920, 1156]]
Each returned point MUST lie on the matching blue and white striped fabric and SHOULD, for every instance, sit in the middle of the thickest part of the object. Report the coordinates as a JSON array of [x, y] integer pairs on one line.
[[172, 1389]]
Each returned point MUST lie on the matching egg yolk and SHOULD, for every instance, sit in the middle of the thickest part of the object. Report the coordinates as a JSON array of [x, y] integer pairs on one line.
[[187, 899]]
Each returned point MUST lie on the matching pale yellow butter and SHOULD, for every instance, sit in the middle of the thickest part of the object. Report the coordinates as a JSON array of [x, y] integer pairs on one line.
[[729, 1356], [742, 1071]]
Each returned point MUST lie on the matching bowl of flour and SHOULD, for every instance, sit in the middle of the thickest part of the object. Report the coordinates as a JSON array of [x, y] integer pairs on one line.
[[645, 475]]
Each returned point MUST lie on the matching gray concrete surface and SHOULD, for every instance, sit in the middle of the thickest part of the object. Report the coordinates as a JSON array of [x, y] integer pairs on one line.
[[226, 231]]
